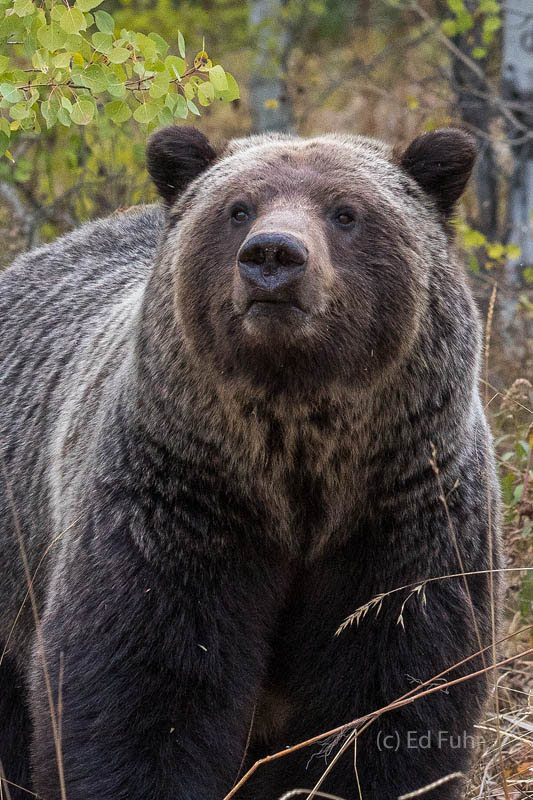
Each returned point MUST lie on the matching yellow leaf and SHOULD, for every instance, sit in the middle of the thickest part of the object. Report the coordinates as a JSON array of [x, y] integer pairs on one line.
[[201, 60], [495, 250], [513, 251]]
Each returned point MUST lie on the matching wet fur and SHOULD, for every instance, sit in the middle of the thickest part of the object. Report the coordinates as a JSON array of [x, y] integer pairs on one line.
[[223, 508]]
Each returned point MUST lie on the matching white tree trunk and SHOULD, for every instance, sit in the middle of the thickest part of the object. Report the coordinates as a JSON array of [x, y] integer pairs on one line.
[[270, 103], [517, 72]]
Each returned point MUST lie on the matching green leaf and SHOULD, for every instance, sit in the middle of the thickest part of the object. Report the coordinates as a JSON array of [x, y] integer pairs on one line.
[[72, 21], [83, 111], [160, 44], [49, 109], [94, 78], [456, 6], [65, 103], [217, 76], [464, 22], [146, 45], [165, 116], [449, 27], [192, 108], [206, 93], [490, 26], [139, 69], [102, 42], [159, 87], [146, 112], [176, 66], [87, 5], [63, 117], [495, 250], [118, 55], [10, 93], [78, 47], [4, 62], [479, 52], [4, 141], [61, 61], [181, 110], [24, 8], [104, 22], [232, 92], [11, 26], [51, 37], [40, 60], [154, 66], [473, 264], [116, 78], [4, 126], [118, 111], [181, 44], [489, 7], [473, 238], [20, 111]]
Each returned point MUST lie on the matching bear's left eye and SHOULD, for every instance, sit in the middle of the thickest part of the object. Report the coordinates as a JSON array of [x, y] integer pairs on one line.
[[344, 217], [239, 214]]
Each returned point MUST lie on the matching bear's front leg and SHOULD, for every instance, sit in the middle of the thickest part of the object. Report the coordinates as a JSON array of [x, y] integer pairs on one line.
[[333, 679], [154, 675]]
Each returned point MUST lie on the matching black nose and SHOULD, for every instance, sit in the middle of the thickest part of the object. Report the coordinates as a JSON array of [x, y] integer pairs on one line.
[[272, 261]]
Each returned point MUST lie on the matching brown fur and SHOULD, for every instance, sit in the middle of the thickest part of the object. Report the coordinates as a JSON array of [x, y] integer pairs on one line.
[[243, 473]]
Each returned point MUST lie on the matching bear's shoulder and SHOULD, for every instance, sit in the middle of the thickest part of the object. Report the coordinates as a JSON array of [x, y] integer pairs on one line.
[[122, 243]]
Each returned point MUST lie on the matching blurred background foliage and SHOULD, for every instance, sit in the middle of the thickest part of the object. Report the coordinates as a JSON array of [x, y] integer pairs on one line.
[[386, 68]]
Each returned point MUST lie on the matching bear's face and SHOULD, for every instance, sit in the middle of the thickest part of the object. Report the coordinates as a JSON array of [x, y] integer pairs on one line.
[[301, 262]]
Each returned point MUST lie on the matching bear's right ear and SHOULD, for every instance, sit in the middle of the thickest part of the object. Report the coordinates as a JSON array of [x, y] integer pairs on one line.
[[441, 163], [175, 156]]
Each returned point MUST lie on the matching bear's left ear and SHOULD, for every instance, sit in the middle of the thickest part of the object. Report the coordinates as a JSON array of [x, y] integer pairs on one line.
[[441, 163], [175, 156]]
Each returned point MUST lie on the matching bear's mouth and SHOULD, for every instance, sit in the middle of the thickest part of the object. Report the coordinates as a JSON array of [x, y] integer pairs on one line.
[[273, 308]]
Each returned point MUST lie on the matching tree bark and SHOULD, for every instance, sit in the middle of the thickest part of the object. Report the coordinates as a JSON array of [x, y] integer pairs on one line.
[[270, 102], [517, 79]]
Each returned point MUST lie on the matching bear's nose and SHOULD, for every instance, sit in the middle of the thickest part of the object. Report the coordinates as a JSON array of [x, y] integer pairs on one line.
[[271, 261]]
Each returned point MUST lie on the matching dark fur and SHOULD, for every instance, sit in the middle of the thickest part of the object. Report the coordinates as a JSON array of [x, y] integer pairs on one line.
[[227, 489], [175, 156], [441, 163]]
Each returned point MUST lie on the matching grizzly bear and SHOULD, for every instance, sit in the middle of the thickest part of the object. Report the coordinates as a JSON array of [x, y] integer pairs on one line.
[[227, 422]]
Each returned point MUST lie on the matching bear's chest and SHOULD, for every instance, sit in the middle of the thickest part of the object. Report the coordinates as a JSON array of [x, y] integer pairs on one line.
[[310, 476]]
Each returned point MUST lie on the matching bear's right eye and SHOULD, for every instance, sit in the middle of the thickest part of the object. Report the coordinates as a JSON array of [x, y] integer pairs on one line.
[[239, 214]]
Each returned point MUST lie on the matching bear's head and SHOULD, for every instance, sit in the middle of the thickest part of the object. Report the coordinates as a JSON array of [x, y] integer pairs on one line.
[[301, 262]]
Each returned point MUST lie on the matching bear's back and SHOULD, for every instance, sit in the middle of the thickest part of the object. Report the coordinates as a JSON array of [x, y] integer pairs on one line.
[[67, 317], [80, 272]]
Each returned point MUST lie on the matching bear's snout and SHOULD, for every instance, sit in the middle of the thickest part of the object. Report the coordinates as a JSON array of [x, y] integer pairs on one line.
[[271, 266]]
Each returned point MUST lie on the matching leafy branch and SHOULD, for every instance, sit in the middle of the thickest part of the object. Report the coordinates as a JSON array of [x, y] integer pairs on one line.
[[80, 65]]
